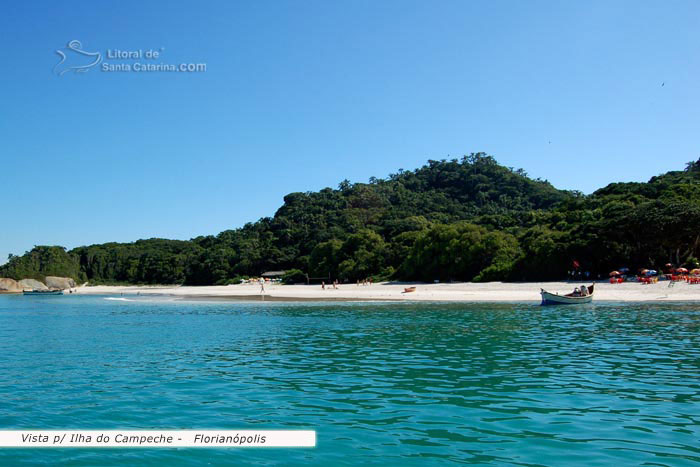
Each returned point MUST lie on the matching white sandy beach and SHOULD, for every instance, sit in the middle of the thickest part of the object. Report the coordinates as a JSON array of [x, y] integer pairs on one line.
[[469, 292]]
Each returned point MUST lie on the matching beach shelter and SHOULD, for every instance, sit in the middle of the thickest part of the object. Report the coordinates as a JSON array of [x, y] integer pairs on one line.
[[682, 270], [695, 271], [614, 273]]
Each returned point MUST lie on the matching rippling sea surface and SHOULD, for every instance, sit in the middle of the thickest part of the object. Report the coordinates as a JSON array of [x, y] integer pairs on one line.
[[390, 384]]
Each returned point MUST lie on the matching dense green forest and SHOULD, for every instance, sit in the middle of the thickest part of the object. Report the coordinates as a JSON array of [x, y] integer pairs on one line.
[[469, 219]]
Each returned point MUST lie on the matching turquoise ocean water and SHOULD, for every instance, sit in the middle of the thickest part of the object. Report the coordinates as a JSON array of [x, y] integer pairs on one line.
[[390, 384]]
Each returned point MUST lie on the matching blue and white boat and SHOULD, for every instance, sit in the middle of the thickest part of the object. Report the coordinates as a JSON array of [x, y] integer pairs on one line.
[[43, 292], [549, 298]]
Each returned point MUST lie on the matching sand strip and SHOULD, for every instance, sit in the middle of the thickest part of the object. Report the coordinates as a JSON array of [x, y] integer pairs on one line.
[[453, 292]]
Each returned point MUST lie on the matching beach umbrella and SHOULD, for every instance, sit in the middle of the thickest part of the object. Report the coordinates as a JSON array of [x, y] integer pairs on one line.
[[614, 273], [695, 271], [643, 271], [682, 270], [668, 265], [651, 272]]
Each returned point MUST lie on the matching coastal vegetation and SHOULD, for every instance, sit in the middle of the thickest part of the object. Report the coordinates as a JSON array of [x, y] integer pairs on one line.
[[469, 219], [43, 261]]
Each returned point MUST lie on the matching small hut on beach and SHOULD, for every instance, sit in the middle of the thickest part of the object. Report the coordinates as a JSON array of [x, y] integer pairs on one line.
[[273, 275]]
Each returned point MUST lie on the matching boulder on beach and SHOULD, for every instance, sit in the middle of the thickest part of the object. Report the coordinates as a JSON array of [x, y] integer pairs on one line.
[[53, 282], [32, 284], [9, 285]]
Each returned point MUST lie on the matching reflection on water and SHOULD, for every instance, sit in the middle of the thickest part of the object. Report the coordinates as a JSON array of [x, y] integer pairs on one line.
[[414, 384]]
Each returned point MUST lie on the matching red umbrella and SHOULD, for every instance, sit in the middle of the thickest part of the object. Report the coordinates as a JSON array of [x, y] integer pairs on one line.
[[614, 273], [682, 270]]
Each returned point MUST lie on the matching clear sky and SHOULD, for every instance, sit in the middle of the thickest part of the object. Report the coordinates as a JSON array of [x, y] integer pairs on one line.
[[299, 95]]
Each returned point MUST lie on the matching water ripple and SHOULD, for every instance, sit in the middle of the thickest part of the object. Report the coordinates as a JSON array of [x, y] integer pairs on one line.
[[409, 384]]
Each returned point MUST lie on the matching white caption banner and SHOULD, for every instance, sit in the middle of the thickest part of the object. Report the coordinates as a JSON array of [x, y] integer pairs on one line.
[[156, 438]]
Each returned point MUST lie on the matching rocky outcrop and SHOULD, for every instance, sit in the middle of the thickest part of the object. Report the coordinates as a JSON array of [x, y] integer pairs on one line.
[[32, 284], [53, 282], [9, 285]]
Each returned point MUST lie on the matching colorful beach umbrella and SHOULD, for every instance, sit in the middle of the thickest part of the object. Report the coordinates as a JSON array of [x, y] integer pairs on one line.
[[614, 273], [651, 272], [695, 271], [682, 270], [643, 271]]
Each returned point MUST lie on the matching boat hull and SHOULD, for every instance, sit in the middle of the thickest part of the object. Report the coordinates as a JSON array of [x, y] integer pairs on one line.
[[41, 293]]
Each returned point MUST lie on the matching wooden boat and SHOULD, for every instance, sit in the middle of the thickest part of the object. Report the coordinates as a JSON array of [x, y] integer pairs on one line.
[[568, 299], [43, 292]]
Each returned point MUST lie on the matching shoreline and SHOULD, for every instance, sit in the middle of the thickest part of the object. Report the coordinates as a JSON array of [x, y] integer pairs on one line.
[[394, 292]]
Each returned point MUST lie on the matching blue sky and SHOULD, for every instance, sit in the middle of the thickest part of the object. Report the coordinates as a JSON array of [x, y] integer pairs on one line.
[[300, 95]]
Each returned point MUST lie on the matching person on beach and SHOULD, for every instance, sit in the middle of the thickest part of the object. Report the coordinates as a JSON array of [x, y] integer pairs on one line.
[[262, 285], [323, 285]]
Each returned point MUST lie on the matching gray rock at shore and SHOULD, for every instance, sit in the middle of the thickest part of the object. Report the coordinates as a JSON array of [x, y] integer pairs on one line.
[[32, 284], [9, 285], [53, 282]]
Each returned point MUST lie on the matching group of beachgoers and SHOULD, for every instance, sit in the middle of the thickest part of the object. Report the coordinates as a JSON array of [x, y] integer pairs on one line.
[[580, 291], [652, 276], [335, 283]]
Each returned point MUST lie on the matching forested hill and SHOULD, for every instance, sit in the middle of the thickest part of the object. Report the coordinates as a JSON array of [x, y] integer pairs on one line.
[[468, 219]]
